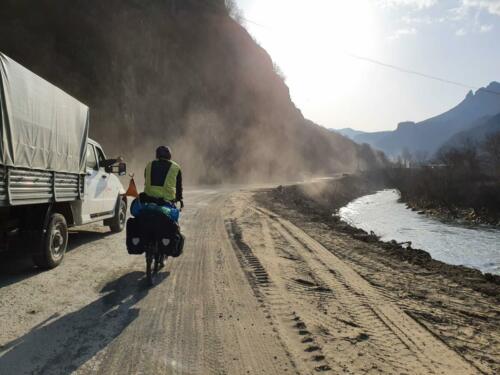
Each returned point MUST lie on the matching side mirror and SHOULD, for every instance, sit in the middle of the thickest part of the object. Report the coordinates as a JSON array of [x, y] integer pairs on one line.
[[120, 169]]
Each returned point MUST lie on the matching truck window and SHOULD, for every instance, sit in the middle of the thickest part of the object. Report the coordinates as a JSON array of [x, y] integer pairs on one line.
[[91, 159], [100, 156]]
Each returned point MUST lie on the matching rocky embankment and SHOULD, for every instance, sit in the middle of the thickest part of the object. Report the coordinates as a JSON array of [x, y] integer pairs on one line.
[[457, 214]]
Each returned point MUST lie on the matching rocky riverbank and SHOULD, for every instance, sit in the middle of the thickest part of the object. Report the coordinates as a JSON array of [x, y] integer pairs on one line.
[[450, 194], [457, 214], [320, 201]]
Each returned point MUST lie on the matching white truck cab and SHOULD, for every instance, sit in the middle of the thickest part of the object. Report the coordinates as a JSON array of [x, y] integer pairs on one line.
[[102, 189]]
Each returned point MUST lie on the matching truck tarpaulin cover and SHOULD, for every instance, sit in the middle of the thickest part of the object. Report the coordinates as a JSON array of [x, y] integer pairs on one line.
[[41, 127]]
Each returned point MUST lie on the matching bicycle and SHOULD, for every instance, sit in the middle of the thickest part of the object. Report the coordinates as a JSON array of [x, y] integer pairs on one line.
[[154, 261], [157, 236]]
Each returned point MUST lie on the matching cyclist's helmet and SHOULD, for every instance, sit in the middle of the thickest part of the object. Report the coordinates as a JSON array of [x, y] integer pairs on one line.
[[163, 152]]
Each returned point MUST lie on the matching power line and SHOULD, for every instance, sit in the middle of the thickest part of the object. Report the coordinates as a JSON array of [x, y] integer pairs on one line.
[[255, 23], [414, 72], [409, 71]]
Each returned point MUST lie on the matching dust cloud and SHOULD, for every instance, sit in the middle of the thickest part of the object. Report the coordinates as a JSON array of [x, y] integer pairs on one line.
[[183, 74]]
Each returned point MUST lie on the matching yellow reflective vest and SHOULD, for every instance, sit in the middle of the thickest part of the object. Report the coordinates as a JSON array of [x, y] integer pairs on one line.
[[161, 179]]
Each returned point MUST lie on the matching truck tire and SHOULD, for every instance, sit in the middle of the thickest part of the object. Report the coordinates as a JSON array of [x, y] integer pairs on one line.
[[54, 243], [117, 223]]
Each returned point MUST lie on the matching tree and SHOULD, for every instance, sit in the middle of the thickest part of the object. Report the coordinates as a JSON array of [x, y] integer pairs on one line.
[[464, 156], [421, 157], [407, 157], [491, 147], [278, 71], [233, 10]]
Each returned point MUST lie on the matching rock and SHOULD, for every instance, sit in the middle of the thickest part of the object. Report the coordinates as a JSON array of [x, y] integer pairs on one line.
[[365, 237], [495, 279]]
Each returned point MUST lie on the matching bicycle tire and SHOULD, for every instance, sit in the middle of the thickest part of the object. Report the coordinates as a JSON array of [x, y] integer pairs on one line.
[[149, 269]]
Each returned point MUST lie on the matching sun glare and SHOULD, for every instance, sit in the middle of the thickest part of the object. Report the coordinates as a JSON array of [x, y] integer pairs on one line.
[[309, 43]]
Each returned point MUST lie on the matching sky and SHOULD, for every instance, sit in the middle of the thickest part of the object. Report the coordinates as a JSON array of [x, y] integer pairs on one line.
[[315, 44]]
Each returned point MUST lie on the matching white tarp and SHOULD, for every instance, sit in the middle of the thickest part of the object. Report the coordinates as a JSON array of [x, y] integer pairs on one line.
[[41, 127]]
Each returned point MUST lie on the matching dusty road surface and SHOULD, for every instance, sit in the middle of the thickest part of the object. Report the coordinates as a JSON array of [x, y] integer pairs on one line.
[[252, 294]]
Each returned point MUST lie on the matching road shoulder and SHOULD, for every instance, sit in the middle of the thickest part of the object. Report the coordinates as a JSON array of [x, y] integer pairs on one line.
[[463, 318]]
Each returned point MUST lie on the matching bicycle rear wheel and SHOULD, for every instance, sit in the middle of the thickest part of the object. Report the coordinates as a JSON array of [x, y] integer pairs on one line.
[[152, 264], [149, 268], [157, 263]]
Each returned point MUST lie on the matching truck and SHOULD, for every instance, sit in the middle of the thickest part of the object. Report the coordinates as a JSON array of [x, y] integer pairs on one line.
[[52, 176]]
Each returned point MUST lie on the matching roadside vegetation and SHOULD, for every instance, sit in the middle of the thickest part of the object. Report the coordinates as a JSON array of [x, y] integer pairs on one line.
[[461, 182]]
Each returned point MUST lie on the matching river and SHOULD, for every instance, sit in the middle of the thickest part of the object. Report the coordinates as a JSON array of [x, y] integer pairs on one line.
[[472, 246]]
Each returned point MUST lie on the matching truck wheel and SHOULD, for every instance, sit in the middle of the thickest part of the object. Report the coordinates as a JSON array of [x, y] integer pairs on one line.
[[54, 243], [117, 224]]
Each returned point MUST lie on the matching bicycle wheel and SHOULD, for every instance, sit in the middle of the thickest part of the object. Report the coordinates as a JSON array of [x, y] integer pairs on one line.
[[149, 268], [157, 263]]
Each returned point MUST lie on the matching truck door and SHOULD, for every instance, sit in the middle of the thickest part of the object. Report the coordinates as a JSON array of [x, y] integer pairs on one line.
[[89, 205], [107, 191]]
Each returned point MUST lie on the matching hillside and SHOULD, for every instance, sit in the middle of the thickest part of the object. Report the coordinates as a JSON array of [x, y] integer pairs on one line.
[[371, 138], [428, 135], [349, 132], [178, 73], [476, 134]]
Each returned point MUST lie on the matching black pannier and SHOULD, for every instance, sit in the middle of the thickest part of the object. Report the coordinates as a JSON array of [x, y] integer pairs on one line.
[[176, 249], [150, 227], [134, 237]]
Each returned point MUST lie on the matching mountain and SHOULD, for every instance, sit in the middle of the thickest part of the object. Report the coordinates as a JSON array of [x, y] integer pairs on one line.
[[477, 134], [348, 132], [182, 73], [361, 137], [370, 138], [428, 135]]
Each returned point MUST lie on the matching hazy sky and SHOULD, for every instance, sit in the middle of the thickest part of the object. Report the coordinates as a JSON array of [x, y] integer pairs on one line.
[[310, 40]]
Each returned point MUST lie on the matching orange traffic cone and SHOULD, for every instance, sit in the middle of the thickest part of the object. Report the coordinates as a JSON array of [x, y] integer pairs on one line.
[[132, 189]]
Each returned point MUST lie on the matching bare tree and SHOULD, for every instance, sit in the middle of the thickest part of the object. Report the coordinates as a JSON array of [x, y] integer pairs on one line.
[[491, 147], [233, 10], [464, 156], [406, 156], [278, 71], [421, 157]]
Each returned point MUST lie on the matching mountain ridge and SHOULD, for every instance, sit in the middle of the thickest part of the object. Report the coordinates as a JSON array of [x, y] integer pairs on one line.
[[477, 134], [428, 135]]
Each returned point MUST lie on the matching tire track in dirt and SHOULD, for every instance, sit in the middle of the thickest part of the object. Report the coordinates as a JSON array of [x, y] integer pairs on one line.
[[463, 308], [292, 331], [345, 323], [353, 335]]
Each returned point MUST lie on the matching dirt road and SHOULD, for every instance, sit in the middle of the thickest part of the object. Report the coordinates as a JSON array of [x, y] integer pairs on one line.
[[253, 294]]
